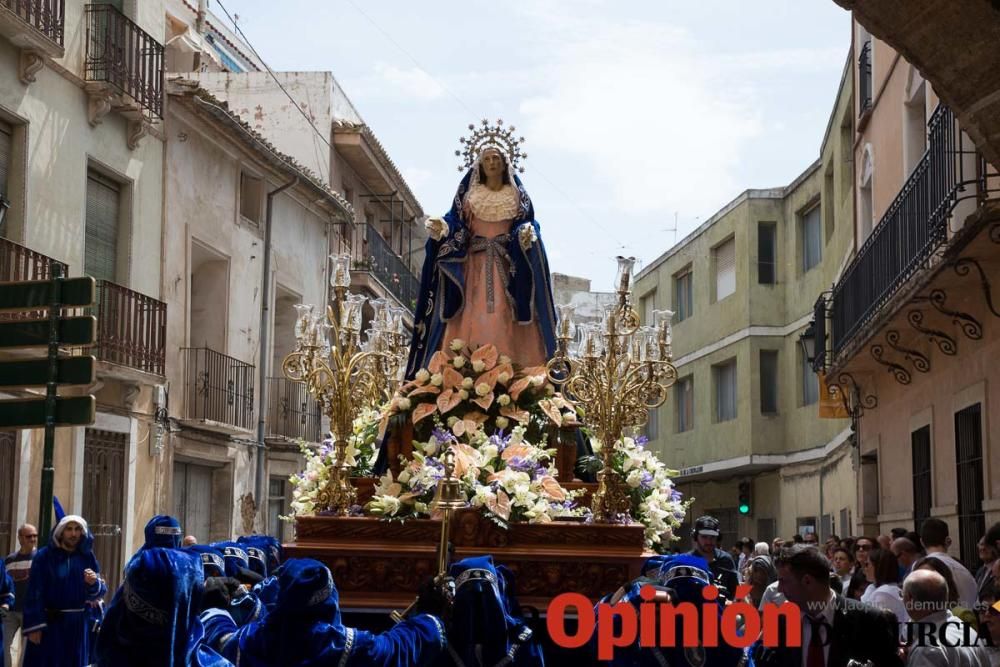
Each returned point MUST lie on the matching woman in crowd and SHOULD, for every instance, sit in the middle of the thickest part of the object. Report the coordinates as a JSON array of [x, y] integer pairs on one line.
[[884, 591]]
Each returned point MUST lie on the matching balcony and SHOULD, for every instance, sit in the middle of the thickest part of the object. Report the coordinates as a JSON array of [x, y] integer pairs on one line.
[[291, 411], [37, 27], [912, 235], [20, 263], [131, 329], [371, 254], [218, 392], [865, 79], [124, 70]]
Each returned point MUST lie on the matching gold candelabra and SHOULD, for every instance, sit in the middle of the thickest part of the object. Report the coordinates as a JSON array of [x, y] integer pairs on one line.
[[617, 372], [343, 373]]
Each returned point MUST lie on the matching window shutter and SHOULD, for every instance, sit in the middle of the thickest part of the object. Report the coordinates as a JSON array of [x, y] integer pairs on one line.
[[765, 253], [101, 244], [810, 383], [812, 238], [725, 269]]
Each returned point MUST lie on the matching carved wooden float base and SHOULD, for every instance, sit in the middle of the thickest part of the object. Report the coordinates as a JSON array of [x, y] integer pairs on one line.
[[381, 565]]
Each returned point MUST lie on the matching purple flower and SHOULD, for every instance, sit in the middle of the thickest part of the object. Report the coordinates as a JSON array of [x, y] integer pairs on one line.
[[442, 436], [641, 441], [646, 480], [676, 495]]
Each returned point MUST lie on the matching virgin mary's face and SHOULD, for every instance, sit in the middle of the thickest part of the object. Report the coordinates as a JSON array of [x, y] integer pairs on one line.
[[492, 162]]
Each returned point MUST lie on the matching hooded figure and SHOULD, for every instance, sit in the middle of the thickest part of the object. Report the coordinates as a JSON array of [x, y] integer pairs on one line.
[[269, 545], [237, 562], [63, 586], [483, 631], [153, 618], [211, 559], [682, 577], [305, 628], [257, 560], [163, 531]]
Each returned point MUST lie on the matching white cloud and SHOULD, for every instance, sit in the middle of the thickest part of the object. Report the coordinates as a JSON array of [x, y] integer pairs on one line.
[[414, 81], [658, 123]]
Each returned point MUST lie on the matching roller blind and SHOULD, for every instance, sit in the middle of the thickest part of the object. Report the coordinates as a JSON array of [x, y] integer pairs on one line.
[[101, 249], [725, 269]]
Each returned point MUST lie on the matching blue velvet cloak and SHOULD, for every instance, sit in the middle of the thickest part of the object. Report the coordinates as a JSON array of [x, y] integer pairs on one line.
[[58, 603], [153, 618], [485, 629], [442, 280], [305, 630]]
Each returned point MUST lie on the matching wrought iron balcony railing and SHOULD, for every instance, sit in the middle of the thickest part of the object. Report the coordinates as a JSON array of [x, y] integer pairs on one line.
[[46, 16], [371, 252], [20, 263], [218, 388], [125, 56], [913, 229], [131, 328], [865, 78], [291, 411]]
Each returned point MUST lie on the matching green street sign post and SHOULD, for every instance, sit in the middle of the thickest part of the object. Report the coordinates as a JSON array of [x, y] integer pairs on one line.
[[52, 371]]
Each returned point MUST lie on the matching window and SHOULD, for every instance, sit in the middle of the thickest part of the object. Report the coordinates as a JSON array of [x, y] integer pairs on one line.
[[276, 505], [725, 391], [768, 382], [766, 239], [920, 445], [647, 304], [810, 382], [914, 122], [684, 399], [683, 295], [969, 481], [653, 424], [102, 227], [845, 521], [725, 269], [805, 525], [6, 142], [811, 231], [866, 212], [251, 198]]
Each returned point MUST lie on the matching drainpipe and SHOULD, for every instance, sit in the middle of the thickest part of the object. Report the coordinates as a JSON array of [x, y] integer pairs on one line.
[[265, 310]]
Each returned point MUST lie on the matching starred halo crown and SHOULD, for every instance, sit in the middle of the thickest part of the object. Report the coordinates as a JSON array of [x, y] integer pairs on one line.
[[491, 135]]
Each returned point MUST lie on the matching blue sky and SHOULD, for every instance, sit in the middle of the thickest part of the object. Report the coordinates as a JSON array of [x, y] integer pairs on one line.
[[634, 112]]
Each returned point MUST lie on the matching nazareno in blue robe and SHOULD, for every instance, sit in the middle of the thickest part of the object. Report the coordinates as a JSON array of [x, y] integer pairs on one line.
[[305, 629], [153, 619], [442, 280], [59, 601], [485, 627]]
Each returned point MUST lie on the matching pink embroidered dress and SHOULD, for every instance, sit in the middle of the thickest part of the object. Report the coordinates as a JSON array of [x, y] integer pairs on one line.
[[486, 316]]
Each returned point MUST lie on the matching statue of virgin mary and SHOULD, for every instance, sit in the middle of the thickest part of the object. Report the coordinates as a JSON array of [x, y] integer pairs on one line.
[[485, 277]]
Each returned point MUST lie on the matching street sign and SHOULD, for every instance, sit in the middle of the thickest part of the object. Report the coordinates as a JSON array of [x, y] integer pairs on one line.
[[30, 412], [32, 294], [71, 331], [35, 372]]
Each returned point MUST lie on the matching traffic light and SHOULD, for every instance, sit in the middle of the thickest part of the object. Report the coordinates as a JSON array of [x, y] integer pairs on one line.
[[744, 499]]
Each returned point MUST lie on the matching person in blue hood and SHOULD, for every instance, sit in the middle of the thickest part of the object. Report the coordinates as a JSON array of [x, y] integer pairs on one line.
[[64, 585], [305, 629], [163, 531], [271, 547], [238, 563], [211, 559], [484, 629], [153, 619]]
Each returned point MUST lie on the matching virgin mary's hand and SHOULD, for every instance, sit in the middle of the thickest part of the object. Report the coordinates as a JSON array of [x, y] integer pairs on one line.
[[526, 236], [437, 228]]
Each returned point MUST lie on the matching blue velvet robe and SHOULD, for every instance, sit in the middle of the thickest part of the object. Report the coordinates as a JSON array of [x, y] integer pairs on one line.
[[168, 583], [442, 280], [485, 622], [58, 603], [297, 635]]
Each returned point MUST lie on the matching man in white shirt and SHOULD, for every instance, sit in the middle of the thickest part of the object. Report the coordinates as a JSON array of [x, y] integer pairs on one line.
[[934, 534], [943, 640]]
